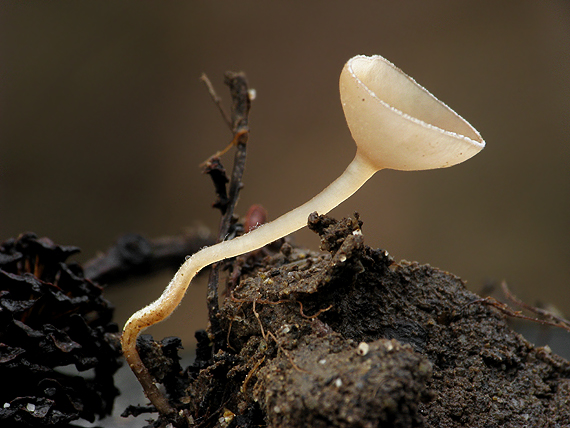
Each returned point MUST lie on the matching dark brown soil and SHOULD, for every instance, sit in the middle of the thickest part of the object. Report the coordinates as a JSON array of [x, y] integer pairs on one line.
[[349, 338]]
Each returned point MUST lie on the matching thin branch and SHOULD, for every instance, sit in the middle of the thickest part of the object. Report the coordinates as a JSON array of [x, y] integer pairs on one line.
[[135, 255], [241, 104], [217, 100], [240, 123]]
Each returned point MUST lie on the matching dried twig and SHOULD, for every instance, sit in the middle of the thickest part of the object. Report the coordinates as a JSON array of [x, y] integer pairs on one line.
[[134, 255], [217, 100], [241, 104]]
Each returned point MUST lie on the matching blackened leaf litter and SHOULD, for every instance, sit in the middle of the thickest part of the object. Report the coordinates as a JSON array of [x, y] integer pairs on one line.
[[54, 326]]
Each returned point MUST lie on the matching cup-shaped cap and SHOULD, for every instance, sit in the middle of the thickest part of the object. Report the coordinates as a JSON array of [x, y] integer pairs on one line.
[[398, 124]]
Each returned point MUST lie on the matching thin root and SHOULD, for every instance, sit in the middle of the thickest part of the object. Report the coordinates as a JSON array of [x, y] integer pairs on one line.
[[251, 373], [505, 309], [237, 136]]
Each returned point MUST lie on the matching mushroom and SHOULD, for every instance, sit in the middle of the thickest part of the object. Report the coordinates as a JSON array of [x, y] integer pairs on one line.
[[396, 124]]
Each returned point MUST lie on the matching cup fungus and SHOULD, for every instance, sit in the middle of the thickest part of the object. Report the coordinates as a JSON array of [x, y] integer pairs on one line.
[[396, 124]]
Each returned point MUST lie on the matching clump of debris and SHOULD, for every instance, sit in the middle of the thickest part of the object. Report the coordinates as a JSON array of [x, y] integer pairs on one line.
[[53, 319]]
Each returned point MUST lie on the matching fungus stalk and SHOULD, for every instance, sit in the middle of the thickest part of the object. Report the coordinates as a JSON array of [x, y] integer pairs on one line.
[[395, 123]]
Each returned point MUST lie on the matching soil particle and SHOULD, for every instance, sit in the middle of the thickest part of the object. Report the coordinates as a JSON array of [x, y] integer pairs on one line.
[[350, 338]]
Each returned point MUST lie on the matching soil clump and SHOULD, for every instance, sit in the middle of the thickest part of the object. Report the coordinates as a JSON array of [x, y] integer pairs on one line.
[[350, 338]]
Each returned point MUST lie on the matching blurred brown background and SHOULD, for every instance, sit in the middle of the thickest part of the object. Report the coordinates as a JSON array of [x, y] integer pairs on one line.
[[103, 122]]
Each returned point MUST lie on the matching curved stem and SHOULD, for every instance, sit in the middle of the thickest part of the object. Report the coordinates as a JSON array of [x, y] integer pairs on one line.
[[355, 175]]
